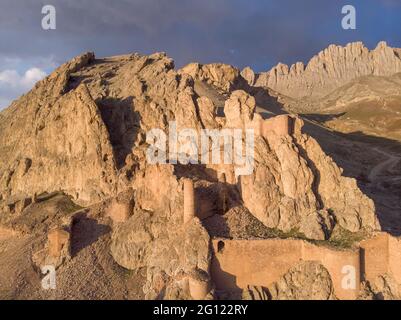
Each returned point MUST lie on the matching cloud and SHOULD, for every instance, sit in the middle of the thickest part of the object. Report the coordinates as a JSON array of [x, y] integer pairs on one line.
[[260, 32], [12, 79], [12, 84], [31, 76]]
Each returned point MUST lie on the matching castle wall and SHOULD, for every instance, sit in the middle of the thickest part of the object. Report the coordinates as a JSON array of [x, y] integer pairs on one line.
[[238, 263], [382, 255], [395, 258], [375, 256], [343, 266], [58, 242], [280, 125]]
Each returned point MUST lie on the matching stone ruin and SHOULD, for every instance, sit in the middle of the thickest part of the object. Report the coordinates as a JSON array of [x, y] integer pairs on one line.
[[265, 262], [281, 125], [58, 243], [189, 200]]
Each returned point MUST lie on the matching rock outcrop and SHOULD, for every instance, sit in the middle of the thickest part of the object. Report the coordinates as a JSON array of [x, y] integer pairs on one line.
[[54, 140], [255, 293], [223, 76], [328, 70], [292, 186], [76, 130]]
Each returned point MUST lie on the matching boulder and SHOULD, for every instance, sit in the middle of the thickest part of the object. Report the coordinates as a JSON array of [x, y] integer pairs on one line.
[[305, 281]]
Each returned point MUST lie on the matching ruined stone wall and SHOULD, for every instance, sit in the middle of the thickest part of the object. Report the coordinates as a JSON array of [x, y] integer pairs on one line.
[[239, 263], [395, 258], [280, 125], [341, 265], [381, 255]]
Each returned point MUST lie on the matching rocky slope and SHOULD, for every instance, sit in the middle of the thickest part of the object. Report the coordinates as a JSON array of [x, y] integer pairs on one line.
[[82, 132], [370, 104]]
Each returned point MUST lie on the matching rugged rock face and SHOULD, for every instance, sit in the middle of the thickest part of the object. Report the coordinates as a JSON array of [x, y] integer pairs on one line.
[[249, 75], [54, 140], [339, 195], [79, 126], [386, 288], [330, 69], [255, 293], [292, 184], [224, 77]]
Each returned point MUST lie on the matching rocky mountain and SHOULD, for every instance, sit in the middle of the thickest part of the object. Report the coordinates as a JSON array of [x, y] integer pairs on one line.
[[329, 70], [86, 137], [77, 143]]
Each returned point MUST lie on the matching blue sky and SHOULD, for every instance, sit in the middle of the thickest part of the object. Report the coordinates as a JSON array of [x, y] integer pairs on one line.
[[256, 33]]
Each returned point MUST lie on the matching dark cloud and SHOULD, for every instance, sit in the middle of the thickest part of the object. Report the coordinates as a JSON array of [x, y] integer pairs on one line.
[[258, 33]]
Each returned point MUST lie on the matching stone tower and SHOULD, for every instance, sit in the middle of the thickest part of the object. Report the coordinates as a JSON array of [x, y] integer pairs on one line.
[[189, 200]]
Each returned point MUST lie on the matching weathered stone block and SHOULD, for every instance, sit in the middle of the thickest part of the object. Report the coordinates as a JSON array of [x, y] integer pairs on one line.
[[58, 243]]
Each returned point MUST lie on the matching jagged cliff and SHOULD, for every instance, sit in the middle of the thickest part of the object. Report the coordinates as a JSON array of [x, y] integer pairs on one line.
[[329, 70]]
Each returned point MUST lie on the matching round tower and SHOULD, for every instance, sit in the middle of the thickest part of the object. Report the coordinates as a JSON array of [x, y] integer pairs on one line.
[[189, 200]]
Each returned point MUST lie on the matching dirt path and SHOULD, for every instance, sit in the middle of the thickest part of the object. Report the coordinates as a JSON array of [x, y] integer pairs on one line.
[[383, 166]]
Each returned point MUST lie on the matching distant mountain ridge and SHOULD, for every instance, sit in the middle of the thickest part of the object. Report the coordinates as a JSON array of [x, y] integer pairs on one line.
[[328, 70]]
